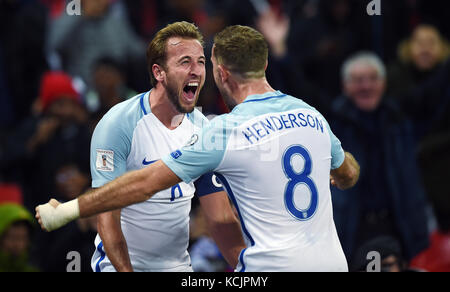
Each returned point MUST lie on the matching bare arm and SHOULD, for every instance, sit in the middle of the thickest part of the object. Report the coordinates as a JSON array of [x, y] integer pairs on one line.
[[347, 175], [110, 231], [223, 226], [131, 188]]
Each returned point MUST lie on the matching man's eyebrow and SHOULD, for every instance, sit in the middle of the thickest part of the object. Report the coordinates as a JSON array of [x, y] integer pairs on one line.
[[183, 58], [189, 58]]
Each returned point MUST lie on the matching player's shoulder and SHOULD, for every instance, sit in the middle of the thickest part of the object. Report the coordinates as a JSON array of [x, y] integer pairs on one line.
[[128, 110], [122, 118], [223, 125], [294, 103], [298, 103]]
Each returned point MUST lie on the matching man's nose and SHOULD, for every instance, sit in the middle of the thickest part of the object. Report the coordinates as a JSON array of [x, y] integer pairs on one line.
[[197, 69]]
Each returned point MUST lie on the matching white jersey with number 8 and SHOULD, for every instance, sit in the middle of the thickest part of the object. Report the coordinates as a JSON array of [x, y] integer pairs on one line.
[[273, 153]]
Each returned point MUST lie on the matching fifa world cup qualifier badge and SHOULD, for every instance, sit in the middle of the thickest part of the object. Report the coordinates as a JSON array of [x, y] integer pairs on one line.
[[105, 160]]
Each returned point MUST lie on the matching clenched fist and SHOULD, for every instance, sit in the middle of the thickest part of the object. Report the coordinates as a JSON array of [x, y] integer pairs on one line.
[[54, 215]]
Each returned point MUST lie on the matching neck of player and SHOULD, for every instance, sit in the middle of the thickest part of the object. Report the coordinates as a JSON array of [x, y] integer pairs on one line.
[[164, 110], [241, 88]]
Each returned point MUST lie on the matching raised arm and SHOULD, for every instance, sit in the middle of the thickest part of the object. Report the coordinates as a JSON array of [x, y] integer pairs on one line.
[[131, 188], [347, 175]]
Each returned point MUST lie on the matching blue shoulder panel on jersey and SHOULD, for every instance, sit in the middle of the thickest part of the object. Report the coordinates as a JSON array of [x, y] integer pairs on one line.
[[113, 135]]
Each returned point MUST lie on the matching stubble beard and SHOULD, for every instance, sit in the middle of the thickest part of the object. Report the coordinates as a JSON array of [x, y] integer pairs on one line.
[[174, 98]]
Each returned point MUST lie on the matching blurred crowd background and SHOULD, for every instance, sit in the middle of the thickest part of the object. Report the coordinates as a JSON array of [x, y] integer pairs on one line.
[[382, 82]]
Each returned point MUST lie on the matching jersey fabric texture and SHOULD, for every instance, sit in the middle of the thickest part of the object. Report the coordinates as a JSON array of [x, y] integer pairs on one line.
[[130, 137], [273, 153]]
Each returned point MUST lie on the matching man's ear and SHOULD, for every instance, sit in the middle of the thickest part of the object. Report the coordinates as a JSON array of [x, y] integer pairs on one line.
[[158, 72], [224, 74]]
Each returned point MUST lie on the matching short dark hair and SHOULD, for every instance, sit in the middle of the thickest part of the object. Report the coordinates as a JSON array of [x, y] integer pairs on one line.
[[243, 50]]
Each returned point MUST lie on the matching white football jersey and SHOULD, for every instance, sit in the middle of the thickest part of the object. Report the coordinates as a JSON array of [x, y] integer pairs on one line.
[[273, 153], [130, 137]]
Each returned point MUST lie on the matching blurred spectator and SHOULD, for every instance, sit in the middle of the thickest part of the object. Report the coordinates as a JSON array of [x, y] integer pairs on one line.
[[321, 43], [283, 70], [426, 100], [420, 81], [16, 225], [81, 40], [389, 198], [437, 257], [56, 136], [11, 193], [435, 157], [22, 39], [70, 181], [420, 57], [390, 252], [109, 88], [143, 16], [207, 15], [54, 7], [51, 249], [6, 108], [245, 12]]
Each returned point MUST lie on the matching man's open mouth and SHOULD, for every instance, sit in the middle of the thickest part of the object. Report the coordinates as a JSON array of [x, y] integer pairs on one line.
[[190, 90]]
